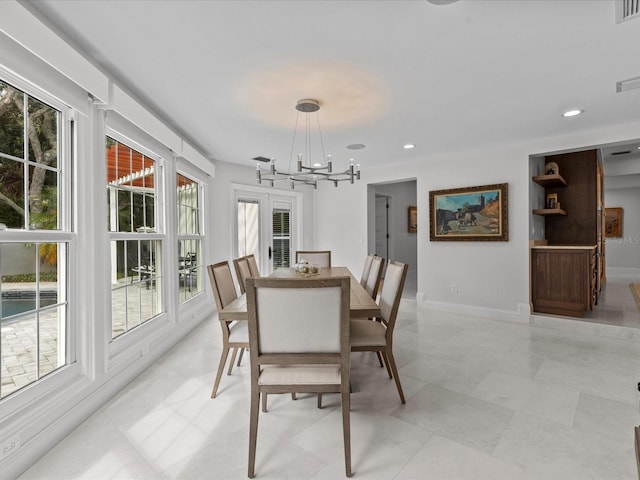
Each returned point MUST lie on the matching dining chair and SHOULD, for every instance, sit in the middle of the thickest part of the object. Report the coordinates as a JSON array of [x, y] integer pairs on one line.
[[253, 265], [374, 277], [366, 269], [368, 336], [235, 333], [322, 258], [299, 341], [243, 271]]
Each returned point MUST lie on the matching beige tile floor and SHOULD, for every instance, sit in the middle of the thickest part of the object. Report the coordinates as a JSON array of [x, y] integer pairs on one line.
[[486, 399]]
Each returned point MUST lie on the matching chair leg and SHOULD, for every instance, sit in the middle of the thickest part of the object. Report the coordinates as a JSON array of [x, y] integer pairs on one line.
[[386, 362], [293, 396], [392, 362], [380, 359], [253, 430], [346, 428], [240, 357], [233, 359], [319, 399], [223, 360], [264, 402]]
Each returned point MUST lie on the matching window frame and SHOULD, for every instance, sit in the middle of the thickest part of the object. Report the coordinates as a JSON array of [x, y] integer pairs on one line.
[[64, 234], [182, 169], [140, 332]]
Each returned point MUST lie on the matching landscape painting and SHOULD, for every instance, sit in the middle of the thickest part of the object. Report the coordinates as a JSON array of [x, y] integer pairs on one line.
[[468, 214]]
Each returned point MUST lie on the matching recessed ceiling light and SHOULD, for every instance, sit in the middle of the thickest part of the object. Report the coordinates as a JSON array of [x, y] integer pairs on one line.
[[572, 113], [408, 146], [355, 146]]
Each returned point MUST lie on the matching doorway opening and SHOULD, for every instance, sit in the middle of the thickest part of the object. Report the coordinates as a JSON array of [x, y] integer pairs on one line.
[[388, 231]]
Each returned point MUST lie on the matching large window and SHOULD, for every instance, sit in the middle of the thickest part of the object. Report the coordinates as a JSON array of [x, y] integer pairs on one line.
[[189, 237], [35, 239], [136, 247]]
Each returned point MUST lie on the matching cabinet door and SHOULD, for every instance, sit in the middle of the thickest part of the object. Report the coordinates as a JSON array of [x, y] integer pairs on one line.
[[561, 283]]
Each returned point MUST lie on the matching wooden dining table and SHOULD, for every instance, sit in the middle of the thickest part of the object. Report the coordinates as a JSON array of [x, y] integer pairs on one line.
[[361, 303]]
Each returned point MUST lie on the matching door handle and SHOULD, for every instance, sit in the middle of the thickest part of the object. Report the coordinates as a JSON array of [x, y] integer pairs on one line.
[[269, 253]]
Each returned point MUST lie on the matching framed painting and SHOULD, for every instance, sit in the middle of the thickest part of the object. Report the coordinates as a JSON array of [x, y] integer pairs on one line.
[[469, 214], [413, 220], [613, 222]]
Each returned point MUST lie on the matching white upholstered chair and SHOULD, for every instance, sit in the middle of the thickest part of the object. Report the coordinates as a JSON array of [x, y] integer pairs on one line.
[[374, 277], [322, 258], [253, 265], [299, 341], [234, 334], [243, 271], [366, 269], [368, 336]]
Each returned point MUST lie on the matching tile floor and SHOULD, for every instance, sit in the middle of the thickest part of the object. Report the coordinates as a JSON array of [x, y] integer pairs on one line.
[[486, 399]]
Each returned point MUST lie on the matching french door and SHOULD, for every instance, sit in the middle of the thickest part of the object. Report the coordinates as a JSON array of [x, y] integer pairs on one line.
[[267, 225]]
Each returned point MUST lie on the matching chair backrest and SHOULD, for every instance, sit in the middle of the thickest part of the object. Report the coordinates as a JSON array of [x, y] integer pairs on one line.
[[322, 258], [242, 272], [366, 270], [392, 293], [224, 290], [375, 275], [297, 317], [253, 265]]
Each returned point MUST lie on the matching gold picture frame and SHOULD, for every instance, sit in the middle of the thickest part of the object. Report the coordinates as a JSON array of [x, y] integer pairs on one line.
[[413, 220], [469, 214], [613, 222]]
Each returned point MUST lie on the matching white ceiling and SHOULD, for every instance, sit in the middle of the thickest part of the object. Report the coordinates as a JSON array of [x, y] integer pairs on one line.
[[226, 75]]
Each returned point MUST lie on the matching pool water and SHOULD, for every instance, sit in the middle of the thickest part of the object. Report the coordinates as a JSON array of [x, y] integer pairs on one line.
[[14, 306]]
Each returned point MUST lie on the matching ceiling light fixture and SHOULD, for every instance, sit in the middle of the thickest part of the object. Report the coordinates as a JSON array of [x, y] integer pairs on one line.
[[308, 172], [572, 113], [408, 146]]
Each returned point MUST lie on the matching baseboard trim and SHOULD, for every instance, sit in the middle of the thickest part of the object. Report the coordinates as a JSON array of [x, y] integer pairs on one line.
[[521, 315]]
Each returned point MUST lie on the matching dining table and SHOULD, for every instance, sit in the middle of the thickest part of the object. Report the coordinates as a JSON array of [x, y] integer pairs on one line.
[[361, 303]]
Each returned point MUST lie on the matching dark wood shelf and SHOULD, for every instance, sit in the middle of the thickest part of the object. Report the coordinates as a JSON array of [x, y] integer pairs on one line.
[[549, 211], [555, 180]]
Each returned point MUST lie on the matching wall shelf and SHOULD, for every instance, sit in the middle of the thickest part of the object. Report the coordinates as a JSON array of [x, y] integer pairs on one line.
[[554, 180], [549, 211]]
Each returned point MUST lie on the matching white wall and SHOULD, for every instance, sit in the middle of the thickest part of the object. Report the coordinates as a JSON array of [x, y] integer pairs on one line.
[[623, 254], [492, 277]]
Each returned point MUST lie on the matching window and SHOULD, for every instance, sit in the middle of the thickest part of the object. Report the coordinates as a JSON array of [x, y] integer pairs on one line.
[[281, 238], [34, 240], [248, 226], [136, 247], [189, 238]]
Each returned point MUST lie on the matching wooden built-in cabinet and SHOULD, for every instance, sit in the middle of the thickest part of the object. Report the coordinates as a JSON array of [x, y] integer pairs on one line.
[[563, 279], [567, 270]]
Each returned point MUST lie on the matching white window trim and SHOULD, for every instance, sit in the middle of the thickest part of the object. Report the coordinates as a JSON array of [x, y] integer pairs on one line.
[[183, 169], [121, 347], [239, 191], [59, 378]]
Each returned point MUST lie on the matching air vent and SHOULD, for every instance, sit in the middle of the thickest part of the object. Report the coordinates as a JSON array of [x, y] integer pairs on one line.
[[627, 9], [630, 84], [624, 152], [262, 159]]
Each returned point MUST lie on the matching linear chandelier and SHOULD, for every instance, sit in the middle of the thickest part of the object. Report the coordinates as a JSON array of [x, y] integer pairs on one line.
[[308, 172]]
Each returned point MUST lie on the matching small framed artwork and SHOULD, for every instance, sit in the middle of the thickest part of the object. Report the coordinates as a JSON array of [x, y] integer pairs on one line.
[[413, 220], [471, 213], [613, 222], [552, 200]]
